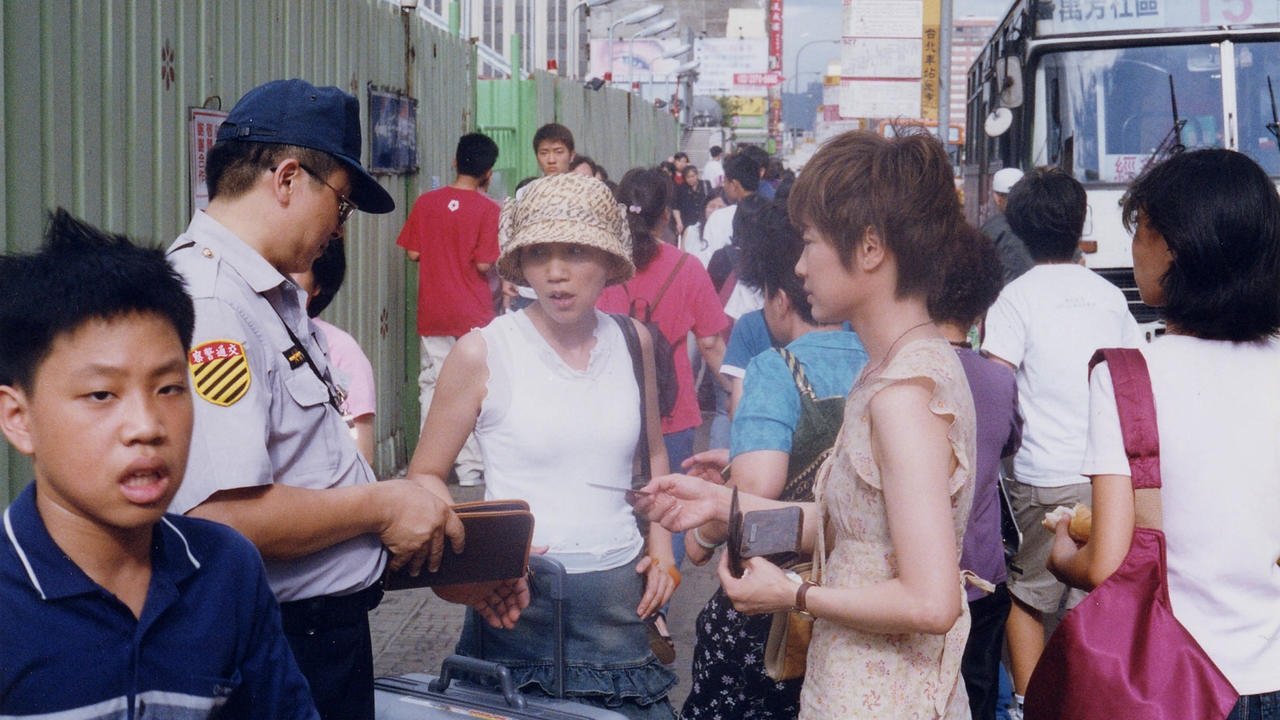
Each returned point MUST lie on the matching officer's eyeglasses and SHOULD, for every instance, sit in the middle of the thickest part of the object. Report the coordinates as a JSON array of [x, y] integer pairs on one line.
[[345, 206]]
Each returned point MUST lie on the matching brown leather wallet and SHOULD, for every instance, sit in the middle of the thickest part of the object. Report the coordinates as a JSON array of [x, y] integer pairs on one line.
[[498, 535], [774, 534]]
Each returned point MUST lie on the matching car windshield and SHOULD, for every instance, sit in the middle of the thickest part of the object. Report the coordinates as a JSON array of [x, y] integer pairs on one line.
[[1105, 113]]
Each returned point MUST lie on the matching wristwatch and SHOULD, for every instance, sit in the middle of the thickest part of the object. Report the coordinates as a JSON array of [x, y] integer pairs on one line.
[[801, 592]]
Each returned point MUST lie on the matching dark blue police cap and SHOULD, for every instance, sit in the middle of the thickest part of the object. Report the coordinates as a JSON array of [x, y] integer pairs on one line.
[[295, 112]]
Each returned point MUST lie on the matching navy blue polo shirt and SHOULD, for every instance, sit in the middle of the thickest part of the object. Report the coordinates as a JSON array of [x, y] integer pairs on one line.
[[209, 639]]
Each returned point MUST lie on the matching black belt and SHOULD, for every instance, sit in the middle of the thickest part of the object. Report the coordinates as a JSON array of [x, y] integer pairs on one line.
[[329, 611]]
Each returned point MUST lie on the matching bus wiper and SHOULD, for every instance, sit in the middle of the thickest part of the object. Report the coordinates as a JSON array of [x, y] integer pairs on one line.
[[1274, 125], [1172, 142]]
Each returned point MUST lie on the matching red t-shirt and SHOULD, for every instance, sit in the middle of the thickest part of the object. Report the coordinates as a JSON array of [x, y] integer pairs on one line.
[[452, 230], [690, 303]]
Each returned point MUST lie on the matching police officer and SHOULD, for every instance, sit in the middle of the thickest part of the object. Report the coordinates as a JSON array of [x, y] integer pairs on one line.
[[271, 455]]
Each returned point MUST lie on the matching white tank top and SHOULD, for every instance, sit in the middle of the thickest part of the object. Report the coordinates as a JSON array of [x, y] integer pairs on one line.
[[546, 430]]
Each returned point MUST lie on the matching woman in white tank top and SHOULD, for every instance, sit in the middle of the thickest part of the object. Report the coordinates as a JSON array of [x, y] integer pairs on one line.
[[1207, 253], [551, 394]]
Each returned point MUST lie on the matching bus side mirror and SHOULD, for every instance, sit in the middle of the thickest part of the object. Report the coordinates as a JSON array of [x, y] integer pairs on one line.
[[997, 122], [1009, 79]]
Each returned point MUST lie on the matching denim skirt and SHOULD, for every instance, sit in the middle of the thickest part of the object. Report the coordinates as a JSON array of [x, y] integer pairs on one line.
[[606, 645]]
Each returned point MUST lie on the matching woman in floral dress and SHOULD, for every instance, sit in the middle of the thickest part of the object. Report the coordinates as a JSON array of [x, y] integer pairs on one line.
[[881, 221]]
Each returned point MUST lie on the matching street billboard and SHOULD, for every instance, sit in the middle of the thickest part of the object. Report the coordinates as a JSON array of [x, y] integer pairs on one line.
[[721, 58]]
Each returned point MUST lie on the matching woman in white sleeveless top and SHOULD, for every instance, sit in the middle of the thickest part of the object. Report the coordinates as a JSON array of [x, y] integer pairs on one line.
[[1206, 252], [552, 396]]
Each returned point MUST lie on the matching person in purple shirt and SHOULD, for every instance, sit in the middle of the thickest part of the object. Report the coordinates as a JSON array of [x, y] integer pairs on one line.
[[971, 286]]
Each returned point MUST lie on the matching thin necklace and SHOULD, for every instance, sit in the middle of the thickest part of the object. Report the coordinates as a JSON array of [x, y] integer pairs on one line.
[[866, 375]]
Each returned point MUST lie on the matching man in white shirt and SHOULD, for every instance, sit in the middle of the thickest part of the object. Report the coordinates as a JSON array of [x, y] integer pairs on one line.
[[713, 171], [741, 179], [1046, 324]]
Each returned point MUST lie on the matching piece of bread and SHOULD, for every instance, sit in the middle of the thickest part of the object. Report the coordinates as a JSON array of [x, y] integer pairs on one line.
[[1052, 517], [1081, 523]]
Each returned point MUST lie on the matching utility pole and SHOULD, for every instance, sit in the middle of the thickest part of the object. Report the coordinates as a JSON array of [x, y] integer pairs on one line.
[[944, 73]]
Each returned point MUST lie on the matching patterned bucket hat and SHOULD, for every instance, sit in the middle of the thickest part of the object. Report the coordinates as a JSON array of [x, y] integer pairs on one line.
[[565, 208]]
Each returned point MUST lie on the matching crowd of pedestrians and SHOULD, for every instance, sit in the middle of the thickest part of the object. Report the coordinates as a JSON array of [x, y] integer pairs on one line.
[[918, 389]]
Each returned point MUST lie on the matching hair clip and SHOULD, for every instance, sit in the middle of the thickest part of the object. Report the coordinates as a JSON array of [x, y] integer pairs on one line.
[[635, 209]]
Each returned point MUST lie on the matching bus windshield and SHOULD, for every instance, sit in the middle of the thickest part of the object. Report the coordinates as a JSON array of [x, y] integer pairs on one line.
[[1255, 63], [1104, 113]]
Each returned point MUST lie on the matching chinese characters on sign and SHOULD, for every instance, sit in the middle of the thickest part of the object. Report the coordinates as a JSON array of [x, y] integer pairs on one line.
[[929, 75], [881, 58], [1091, 16], [1078, 10], [203, 126]]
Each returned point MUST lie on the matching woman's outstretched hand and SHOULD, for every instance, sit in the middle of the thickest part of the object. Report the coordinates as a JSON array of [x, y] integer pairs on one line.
[[681, 502]]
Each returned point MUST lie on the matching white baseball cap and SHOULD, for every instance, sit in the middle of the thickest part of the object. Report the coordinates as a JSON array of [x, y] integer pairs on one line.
[[1004, 180]]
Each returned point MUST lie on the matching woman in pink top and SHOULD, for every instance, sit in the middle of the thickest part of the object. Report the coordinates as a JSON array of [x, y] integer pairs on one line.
[[670, 288]]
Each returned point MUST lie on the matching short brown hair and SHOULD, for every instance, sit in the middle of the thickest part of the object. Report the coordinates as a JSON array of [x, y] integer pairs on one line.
[[233, 166], [901, 186]]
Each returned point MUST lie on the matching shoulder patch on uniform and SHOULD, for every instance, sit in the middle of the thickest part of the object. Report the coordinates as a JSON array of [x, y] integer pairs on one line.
[[220, 371]]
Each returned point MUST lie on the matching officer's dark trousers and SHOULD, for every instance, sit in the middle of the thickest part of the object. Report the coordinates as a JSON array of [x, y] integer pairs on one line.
[[330, 640]]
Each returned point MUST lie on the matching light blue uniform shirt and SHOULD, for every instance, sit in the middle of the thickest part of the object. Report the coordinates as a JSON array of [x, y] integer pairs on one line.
[[279, 427]]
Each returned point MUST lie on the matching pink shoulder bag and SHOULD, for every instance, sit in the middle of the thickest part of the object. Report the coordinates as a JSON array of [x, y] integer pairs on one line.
[[1121, 653]]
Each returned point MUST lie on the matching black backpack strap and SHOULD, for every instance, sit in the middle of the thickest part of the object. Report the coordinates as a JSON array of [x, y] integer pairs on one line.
[[642, 471]]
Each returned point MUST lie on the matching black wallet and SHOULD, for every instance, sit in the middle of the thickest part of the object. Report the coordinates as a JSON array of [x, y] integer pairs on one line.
[[734, 543], [773, 534], [498, 536]]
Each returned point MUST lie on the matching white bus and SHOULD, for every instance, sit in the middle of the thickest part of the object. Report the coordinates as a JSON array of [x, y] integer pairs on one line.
[[1101, 88]]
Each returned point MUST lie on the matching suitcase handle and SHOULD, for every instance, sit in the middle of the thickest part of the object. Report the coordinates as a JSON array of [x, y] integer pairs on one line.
[[476, 668], [554, 570]]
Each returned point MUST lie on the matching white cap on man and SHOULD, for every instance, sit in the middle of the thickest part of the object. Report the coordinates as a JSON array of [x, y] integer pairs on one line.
[[1004, 180]]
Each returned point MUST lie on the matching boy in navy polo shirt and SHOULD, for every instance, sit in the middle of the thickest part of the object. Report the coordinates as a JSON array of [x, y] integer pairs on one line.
[[113, 609]]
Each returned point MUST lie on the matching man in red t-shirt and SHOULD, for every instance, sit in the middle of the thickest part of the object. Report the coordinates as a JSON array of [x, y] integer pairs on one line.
[[452, 233]]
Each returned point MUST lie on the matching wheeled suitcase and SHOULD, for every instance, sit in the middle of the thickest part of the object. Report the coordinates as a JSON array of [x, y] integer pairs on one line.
[[473, 688]]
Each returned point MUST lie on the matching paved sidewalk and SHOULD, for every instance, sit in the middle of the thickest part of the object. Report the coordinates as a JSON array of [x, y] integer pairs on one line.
[[413, 630]]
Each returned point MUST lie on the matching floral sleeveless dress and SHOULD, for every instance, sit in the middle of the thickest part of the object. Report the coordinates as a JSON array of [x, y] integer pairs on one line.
[[857, 674]]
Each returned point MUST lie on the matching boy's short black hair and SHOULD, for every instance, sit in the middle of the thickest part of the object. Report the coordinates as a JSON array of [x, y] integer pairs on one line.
[[743, 168], [716, 151], [476, 154], [81, 274], [327, 273], [1220, 215], [680, 156], [1047, 209], [553, 132], [770, 248], [971, 279]]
